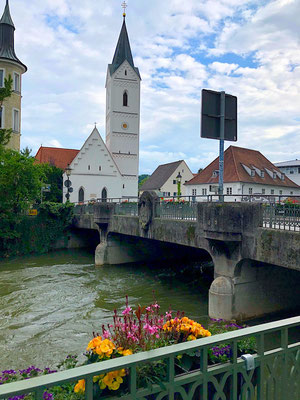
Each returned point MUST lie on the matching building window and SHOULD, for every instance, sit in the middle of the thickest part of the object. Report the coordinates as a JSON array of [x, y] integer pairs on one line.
[[250, 190], [274, 175], [280, 191], [263, 191], [174, 182], [298, 170], [2, 117], [262, 174], [123, 186], [17, 82], [204, 192], [104, 195], [252, 172], [291, 171], [174, 194], [89, 167], [291, 192], [16, 120], [126, 72], [215, 174], [194, 192], [1, 77], [99, 167], [229, 190], [125, 99], [81, 195], [272, 191]]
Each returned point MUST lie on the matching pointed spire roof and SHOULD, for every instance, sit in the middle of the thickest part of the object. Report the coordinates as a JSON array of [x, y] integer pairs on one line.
[[6, 17], [123, 51], [7, 38]]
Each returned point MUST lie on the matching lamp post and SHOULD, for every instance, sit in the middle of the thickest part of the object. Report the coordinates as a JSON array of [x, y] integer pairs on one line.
[[178, 178], [68, 183]]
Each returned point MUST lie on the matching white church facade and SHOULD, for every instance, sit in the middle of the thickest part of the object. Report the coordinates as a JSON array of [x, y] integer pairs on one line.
[[110, 170]]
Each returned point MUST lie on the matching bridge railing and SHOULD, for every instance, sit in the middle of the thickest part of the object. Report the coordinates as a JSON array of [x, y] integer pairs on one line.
[[274, 373], [126, 208]]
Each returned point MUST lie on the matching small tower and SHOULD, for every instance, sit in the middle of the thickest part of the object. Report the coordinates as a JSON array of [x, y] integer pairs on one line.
[[10, 113], [123, 112]]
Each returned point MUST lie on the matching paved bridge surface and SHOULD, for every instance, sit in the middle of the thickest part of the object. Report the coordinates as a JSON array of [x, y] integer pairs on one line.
[[254, 248]]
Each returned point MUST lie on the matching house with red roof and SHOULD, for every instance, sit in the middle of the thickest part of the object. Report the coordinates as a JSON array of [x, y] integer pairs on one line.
[[246, 172], [57, 157]]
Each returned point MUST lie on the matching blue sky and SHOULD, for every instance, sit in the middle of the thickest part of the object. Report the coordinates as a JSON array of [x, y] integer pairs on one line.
[[247, 48]]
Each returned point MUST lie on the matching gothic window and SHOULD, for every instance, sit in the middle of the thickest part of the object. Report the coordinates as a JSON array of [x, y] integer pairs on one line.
[[104, 195], [81, 195], [126, 72], [125, 99]]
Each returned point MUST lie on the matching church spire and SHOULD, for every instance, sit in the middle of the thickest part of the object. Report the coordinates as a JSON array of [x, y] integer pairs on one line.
[[7, 37]]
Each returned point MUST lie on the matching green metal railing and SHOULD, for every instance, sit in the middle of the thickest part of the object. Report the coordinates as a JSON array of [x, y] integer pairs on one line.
[[177, 210], [130, 209], [282, 216], [275, 376]]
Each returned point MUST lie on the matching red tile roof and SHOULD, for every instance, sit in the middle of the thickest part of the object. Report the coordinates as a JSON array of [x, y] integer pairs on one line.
[[234, 171], [55, 156]]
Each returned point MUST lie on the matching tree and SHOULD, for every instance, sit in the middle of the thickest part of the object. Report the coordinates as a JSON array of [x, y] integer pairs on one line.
[[5, 92], [142, 179], [53, 176]]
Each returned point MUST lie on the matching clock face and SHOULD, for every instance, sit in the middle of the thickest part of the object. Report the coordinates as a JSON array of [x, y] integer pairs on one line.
[[124, 125]]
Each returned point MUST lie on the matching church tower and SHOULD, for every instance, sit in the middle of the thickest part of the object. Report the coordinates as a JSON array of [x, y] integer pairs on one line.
[[10, 112], [123, 112]]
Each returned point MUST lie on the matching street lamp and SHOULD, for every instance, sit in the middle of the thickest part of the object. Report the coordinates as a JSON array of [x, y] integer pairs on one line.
[[178, 178], [68, 183]]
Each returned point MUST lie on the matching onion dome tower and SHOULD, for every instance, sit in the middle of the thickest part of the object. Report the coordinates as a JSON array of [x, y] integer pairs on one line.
[[10, 112]]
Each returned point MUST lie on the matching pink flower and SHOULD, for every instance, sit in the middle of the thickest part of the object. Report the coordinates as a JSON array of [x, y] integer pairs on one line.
[[148, 308], [127, 310], [156, 306], [106, 334], [157, 336]]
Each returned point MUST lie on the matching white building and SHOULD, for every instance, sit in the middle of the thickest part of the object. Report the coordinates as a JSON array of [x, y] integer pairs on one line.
[[110, 170], [290, 169], [164, 179], [246, 172]]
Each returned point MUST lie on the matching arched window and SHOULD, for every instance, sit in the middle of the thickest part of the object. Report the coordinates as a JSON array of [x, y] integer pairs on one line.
[[81, 195], [104, 195], [125, 99]]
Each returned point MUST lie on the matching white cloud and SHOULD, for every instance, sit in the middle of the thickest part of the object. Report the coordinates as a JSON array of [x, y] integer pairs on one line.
[[245, 47]]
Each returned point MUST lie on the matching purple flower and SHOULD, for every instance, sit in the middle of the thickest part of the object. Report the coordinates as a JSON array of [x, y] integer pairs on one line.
[[47, 396]]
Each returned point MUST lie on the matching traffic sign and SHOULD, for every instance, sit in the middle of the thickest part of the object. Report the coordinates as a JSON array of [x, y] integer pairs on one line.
[[211, 116], [68, 183]]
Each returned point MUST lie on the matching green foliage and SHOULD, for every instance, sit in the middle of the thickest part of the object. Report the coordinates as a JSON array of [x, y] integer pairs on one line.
[[142, 179], [52, 176], [5, 92]]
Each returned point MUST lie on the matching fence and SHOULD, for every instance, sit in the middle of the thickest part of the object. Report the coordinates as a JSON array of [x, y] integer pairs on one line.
[[275, 374]]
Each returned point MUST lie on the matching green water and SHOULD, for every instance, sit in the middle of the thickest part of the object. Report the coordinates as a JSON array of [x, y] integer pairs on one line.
[[51, 304]]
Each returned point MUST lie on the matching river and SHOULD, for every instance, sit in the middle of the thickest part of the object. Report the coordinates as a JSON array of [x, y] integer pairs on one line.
[[51, 304]]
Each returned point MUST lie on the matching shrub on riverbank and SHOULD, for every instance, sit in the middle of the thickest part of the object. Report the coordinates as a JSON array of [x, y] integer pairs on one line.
[[27, 235]]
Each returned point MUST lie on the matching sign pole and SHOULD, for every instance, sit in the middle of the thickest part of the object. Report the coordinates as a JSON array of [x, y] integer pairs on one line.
[[221, 155]]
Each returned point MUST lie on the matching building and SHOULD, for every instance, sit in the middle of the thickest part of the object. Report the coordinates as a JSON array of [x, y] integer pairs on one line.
[[60, 158], [246, 172], [110, 169], [164, 179], [10, 65], [291, 169]]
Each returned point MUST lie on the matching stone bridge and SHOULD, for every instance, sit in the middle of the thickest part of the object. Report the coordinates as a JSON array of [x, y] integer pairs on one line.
[[256, 269]]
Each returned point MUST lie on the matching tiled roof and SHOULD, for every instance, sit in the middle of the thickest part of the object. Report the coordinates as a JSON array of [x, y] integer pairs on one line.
[[237, 161], [55, 156], [160, 176]]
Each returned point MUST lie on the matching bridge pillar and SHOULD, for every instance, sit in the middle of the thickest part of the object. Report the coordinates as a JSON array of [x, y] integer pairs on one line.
[[253, 290]]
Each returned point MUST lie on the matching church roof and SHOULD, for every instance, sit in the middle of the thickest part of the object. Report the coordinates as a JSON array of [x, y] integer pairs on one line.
[[238, 164], [160, 176], [7, 32], [122, 52], [60, 158]]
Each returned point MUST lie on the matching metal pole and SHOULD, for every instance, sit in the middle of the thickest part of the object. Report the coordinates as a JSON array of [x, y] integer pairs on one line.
[[221, 155]]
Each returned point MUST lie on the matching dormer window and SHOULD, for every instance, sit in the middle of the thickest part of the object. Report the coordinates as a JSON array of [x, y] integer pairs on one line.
[[125, 99], [262, 174], [274, 175], [252, 172], [215, 173], [282, 177]]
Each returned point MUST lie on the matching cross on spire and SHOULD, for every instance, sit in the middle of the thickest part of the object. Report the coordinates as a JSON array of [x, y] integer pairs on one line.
[[124, 6]]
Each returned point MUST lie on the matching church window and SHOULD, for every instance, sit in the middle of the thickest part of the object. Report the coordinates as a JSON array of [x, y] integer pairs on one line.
[[99, 167], [125, 99], [1, 77], [89, 167], [126, 72], [16, 120], [123, 186], [81, 195], [16, 82], [104, 195]]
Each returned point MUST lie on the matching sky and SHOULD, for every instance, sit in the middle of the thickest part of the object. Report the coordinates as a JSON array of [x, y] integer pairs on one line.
[[250, 49]]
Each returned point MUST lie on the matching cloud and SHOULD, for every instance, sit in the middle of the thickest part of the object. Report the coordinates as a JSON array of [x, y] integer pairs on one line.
[[247, 47]]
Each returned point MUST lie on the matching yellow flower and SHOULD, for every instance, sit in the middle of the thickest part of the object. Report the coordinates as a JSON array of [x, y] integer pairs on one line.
[[191, 337], [80, 386], [127, 352], [114, 386], [94, 343]]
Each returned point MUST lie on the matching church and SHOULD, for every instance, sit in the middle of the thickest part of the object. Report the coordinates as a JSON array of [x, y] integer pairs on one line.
[[101, 170], [110, 170]]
